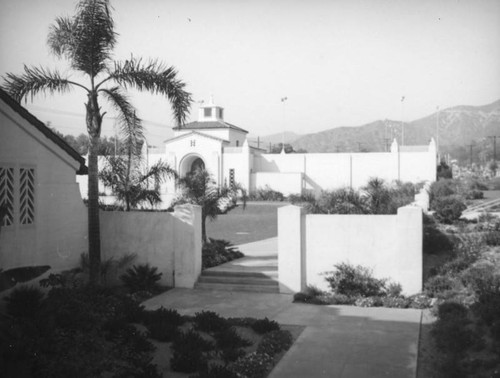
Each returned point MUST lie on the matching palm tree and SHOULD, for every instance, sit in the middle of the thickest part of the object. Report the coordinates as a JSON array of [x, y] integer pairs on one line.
[[199, 188], [87, 40], [132, 182]]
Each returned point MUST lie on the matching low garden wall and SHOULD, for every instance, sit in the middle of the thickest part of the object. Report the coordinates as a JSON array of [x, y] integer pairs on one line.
[[309, 245], [169, 241]]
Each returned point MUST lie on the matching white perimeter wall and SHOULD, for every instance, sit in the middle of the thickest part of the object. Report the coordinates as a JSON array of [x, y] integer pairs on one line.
[[169, 241], [309, 245], [327, 171]]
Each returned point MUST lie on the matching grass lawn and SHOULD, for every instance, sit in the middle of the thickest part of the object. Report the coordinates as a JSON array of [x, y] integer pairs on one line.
[[258, 221]]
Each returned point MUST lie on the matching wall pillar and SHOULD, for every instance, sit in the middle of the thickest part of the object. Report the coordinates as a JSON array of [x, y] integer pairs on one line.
[[291, 249], [410, 240], [187, 245]]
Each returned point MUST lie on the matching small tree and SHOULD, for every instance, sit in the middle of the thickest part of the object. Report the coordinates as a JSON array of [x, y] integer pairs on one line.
[[199, 188]]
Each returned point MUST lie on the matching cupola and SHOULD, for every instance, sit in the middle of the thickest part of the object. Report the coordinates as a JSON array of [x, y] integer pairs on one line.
[[210, 112]]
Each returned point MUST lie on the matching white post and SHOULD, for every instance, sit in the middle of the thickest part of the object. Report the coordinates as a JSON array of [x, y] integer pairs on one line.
[[291, 249]]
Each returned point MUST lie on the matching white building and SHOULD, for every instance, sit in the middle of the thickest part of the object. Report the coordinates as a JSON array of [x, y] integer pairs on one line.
[[223, 150]]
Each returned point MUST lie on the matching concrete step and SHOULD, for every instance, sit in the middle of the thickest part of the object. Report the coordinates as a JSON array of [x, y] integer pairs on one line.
[[238, 287], [267, 272], [239, 280]]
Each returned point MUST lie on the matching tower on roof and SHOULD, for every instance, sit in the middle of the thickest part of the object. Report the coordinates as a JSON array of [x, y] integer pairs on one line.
[[210, 112]]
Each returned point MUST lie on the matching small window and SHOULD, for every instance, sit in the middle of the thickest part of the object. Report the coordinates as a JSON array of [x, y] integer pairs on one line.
[[207, 112], [221, 113], [237, 143], [7, 196], [27, 195]]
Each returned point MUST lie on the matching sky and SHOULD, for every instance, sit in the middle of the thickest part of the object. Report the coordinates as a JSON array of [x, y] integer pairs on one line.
[[338, 63]]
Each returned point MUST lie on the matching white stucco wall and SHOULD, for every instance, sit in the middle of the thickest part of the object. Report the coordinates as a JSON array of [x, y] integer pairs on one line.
[[58, 235], [286, 183], [391, 245], [169, 241]]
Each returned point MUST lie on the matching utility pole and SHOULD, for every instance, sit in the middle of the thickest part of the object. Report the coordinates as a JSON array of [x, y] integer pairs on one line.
[[470, 148], [387, 144], [494, 137], [437, 131], [402, 124]]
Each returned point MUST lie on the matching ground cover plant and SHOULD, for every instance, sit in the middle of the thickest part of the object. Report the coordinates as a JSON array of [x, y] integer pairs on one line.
[[94, 331]]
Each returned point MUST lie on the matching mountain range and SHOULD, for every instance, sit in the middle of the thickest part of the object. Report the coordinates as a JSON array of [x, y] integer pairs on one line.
[[457, 128]]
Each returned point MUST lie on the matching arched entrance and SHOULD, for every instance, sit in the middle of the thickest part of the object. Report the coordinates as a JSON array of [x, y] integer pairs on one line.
[[190, 163]]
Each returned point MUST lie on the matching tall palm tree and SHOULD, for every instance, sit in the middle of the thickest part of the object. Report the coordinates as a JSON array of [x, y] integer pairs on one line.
[[199, 188], [87, 40]]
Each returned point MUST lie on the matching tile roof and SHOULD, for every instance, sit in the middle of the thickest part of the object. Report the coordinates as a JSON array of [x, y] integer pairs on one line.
[[209, 125], [35, 122]]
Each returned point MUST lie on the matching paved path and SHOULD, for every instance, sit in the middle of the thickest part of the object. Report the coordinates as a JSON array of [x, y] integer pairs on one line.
[[337, 341]]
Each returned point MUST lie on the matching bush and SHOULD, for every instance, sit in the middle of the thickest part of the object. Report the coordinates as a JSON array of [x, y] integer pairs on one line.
[[24, 302], [218, 252], [216, 371], [253, 365], [374, 301], [209, 321], [162, 323], [395, 302], [439, 284], [265, 325], [274, 342], [189, 348], [230, 344], [448, 209], [267, 194], [450, 330], [492, 238], [474, 195], [488, 307], [141, 278], [354, 281], [450, 310]]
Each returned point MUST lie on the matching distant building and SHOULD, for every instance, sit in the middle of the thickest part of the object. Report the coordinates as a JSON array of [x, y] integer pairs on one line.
[[223, 149]]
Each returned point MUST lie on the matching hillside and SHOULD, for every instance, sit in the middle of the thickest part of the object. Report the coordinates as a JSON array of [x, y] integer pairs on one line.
[[459, 127]]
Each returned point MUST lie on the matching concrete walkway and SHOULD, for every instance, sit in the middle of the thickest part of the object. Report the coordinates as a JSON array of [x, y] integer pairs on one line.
[[260, 257], [338, 341]]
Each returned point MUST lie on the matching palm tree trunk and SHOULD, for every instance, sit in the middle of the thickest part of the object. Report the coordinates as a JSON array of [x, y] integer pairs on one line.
[[93, 218], [204, 229], [94, 120]]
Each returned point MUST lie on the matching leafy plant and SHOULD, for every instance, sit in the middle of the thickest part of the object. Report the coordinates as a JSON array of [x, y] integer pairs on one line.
[[24, 302], [216, 371], [265, 325], [354, 281], [253, 365], [209, 321], [141, 278], [217, 252], [189, 348], [448, 209], [274, 342], [230, 344], [267, 194], [162, 324]]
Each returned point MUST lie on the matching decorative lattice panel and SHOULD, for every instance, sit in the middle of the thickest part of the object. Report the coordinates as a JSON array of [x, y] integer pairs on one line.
[[26, 195], [7, 195]]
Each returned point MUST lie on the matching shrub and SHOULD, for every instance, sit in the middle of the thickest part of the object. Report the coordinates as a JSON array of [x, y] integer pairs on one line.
[[274, 342], [438, 284], [265, 325], [492, 238], [374, 301], [450, 310], [267, 194], [394, 289], [342, 201], [435, 241], [189, 348], [474, 195], [218, 252], [488, 307], [141, 278], [229, 338], [448, 209], [24, 302], [162, 323], [395, 302], [209, 321], [253, 365], [450, 331], [216, 371], [354, 281]]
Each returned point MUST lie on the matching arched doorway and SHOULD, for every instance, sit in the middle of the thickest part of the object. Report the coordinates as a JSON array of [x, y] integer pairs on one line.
[[190, 163]]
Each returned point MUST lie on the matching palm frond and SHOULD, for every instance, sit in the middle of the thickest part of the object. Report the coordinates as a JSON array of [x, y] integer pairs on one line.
[[156, 78], [159, 172], [33, 81], [60, 38], [130, 125], [87, 39]]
